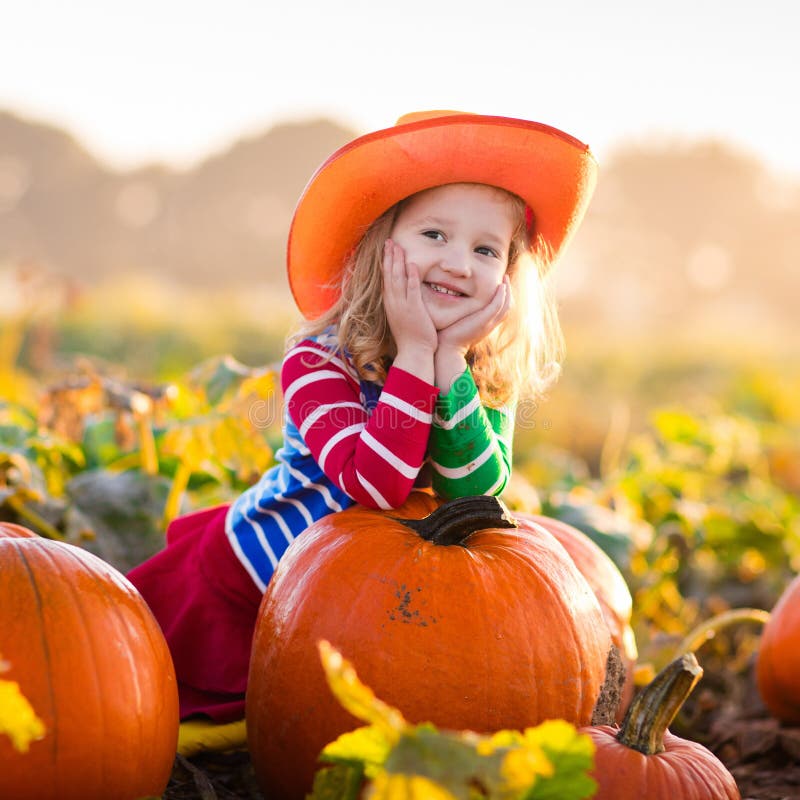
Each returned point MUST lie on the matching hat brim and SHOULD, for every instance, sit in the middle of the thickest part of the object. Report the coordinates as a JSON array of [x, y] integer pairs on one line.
[[552, 172]]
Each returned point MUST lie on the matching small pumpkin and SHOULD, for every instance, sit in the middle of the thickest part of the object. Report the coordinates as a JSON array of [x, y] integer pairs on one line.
[[607, 583], [462, 619], [642, 759], [778, 659], [90, 658]]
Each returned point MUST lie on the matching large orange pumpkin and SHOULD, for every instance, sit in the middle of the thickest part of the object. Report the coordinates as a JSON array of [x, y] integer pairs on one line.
[[778, 660], [91, 659], [608, 585], [642, 759], [460, 619]]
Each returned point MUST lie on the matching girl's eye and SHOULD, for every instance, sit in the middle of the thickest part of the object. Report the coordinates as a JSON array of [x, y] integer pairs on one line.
[[486, 251], [438, 235]]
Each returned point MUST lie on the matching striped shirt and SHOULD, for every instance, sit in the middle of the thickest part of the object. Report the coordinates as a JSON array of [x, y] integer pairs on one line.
[[470, 444], [347, 441]]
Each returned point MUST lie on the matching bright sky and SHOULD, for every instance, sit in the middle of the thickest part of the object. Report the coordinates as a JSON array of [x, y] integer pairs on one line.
[[174, 80]]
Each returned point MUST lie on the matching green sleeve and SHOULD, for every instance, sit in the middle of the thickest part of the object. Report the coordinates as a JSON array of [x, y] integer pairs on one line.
[[470, 444]]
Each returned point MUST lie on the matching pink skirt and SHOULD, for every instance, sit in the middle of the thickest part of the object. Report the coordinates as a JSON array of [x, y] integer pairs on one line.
[[207, 606]]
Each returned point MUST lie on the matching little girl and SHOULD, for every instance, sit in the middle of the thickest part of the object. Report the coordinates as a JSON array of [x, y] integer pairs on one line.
[[416, 254]]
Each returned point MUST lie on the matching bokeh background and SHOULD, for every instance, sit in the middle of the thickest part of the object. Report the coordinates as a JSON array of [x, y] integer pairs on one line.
[[151, 155]]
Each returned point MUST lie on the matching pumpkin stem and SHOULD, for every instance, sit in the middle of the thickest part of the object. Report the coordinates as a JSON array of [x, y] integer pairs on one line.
[[711, 627], [654, 708], [455, 521]]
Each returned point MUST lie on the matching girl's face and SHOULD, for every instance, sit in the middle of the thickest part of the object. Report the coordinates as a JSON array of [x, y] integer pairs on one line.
[[459, 237]]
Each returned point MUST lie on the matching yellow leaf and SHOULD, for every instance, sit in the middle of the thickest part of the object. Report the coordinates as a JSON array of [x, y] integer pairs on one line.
[[525, 759], [396, 786], [487, 745], [367, 745], [18, 720], [225, 439], [523, 765], [190, 442], [262, 385], [357, 698], [555, 733]]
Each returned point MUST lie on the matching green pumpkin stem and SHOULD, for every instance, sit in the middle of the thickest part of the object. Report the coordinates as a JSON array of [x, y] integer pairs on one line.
[[455, 521], [653, 709], [708, 629]]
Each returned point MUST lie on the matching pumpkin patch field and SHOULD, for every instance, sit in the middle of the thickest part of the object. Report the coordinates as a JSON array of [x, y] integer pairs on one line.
[[629, 610]]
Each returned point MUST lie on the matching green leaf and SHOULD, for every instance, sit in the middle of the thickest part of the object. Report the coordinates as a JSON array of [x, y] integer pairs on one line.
[[124, 509], [100, 442], [339, 782], [572, 755], [218, 375], [406, 762], [13, 436], [449, 759]]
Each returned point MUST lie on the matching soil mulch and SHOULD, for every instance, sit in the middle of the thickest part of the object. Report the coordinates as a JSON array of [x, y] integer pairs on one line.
[[213, 776], [726, 715]]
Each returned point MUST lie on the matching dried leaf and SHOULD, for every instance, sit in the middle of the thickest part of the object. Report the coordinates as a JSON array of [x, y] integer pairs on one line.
[[357, 698]]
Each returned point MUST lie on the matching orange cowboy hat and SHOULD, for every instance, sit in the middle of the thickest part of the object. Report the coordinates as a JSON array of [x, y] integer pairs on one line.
[[551, 171]]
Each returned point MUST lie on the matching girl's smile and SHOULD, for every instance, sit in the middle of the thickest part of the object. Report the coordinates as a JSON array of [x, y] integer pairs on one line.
[[458, 236], [442, 289]]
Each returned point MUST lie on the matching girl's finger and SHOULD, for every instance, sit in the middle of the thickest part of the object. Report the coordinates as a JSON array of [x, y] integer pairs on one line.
[[393, 273], [413, 277], [392, 288], [495, 305], [497, 308], [505, 306], [388, 260], [508, 298], [390, 283], [398, 259]]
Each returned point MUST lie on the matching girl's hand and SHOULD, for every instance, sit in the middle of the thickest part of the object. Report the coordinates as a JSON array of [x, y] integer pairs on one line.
[[411, 326], [470, 330], [455, 340]]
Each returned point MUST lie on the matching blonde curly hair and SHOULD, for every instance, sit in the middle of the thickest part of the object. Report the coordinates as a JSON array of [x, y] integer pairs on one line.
[[519, 359]]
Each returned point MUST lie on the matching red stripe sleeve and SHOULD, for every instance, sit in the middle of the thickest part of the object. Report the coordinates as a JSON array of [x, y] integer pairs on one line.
[[374, 459]]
